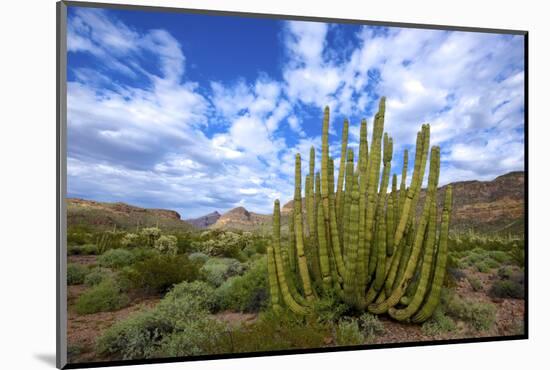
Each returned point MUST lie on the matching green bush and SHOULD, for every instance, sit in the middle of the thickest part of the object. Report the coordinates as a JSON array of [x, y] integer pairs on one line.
[[76, 273], [482, 266], [160, 272], [116, 258], [106, 296], [475, 283], [177, 319], [198, 257], [246, 293], [505, 272], [517, 254], [97, 275], [85, 249], [217, 270], [347, 333], [371, 326], [507, 289], [481, 316], [437, 324], [143, 253], [277, 331], [200, 337], [329, 308]]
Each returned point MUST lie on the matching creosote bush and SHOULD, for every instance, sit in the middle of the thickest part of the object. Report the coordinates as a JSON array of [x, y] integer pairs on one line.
[[348, 333], [159, 273], [97, 275], [76, 273], [116, 258], [106, 296], [180, 319], [245, 293], [217, 270], [481, 316]]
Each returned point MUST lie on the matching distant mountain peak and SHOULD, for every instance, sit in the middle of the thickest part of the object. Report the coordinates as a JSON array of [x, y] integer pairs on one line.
[[205, 221]]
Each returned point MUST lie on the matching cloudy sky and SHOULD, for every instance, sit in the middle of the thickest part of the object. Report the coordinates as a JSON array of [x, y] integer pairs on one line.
[[199, 113]]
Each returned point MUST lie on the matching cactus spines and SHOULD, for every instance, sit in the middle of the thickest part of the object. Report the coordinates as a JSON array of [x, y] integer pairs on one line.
[[440, 264], [359, 240]]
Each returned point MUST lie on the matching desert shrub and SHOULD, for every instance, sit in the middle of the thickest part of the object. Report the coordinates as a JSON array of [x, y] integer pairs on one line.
[[97, 275], [481, 316], [76, 273], [181, 315], [130, 240], [116, 258], [246, 293], [517, 254], [505, 272], [160, 272], [85, 249], [437, 324], [507, 289], [371, 326], [482, 266], [475, 283], [499, 256], [144, 253], [217, 270], [79, 235], [167, 244], [329, 308], [106, 296], [456, 274], [277, 331], [202, 336], [198, 257], [149, 235], [347, 333]]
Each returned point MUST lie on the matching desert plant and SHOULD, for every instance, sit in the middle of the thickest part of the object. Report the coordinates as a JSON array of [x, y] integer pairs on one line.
[[438, 324], [85, 249], [106, 296], [347, 333], [96, 276], [246, 293], [160, 272], [130, 240], [481, 316], [361, 241], [180, 318], [150, 235], [116, 258], [475, 283], [371, 326], [217, 270], [76, 273], [167, 244], [507, 289]]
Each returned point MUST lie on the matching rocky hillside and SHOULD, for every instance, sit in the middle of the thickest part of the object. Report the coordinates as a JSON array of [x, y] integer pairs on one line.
[[241, 219], [103, 215], [204, 221], [489, 206]]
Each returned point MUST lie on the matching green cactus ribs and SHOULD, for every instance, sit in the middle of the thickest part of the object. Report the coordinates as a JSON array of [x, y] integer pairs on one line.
[[359, 236]]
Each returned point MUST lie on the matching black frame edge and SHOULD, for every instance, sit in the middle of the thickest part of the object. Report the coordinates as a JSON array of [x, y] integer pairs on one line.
[[61, 317]]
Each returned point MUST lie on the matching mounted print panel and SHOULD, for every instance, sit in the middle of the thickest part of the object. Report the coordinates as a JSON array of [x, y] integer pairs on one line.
[[240, 184]]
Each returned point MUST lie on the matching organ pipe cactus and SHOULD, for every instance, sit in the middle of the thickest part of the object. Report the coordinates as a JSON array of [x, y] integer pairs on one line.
[[359, 240]]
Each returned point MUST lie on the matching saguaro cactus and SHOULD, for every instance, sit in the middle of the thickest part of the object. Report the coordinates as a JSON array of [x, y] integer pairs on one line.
[[362, 242]]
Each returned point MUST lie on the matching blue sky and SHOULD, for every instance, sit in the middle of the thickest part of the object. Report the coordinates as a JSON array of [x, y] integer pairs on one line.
[[198, 113]]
